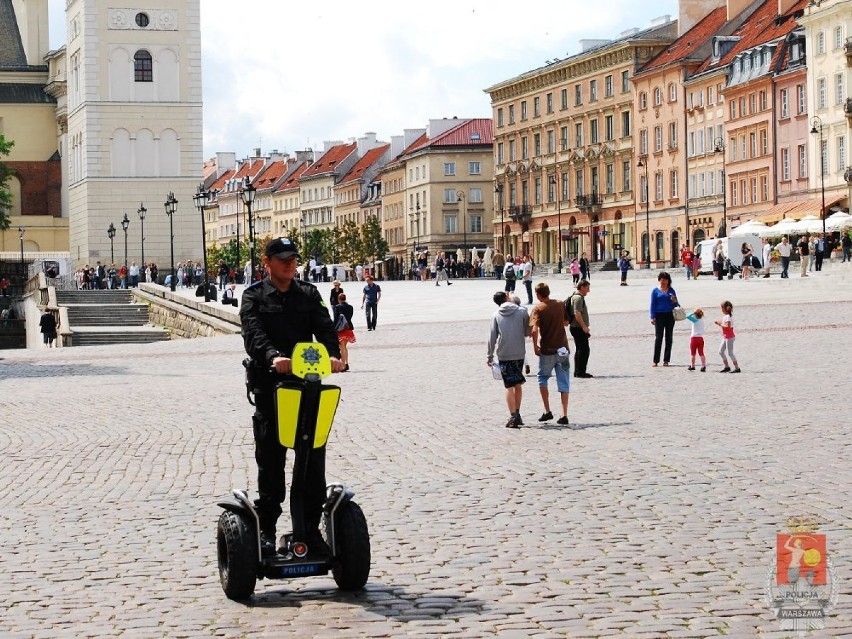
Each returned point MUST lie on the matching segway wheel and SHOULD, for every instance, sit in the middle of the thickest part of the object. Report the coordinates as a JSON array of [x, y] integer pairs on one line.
[[353, 548], [236, 544]]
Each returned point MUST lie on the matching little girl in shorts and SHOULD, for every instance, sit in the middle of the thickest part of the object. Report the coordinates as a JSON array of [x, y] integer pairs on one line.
[[728, 337], [696, 342]]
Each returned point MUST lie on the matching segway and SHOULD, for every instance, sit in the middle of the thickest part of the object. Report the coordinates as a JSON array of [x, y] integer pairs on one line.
[[305, 409]]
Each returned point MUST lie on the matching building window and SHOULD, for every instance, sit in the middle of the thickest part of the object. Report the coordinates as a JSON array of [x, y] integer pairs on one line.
[[658, 96], [764, 188], [743, 192], [822, 97], [764, 142], [536, 144], [733, 109], [625, 123], [625, 81], [785, 106], [643, 142], [752, 103], [512, 155], [643, 101], [474, 168], [143, 67], [593, 90], [537, 194], [734, 200], [475, 223], [658, 186], [838, 88], [511, 114], [658, 138], [450, 224], [142, 20], [754, 189], [563, 138], [523, 110], [752, 145], [450, 196], [563, 98], [536, 107], [578, 134], [803, 161], [763, 104], [838, 37], [525, 148], [643, 189], [610, 178], [672, 92], [475, 195], [500, 157], [500, 117], [841, 152], [823, 153], [578, 95], [609, 128], [578, 183], [551, 142], [672, 135], [673, 186], [608, 86], [449, 168], [710, 97], [594, 130], [625, 176], [821, 42], [550, 103]]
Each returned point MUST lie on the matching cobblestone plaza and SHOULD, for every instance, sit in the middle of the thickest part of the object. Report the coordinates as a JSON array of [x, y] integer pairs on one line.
[[653, 515]]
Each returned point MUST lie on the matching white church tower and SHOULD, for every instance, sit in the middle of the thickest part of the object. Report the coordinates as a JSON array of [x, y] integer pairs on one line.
[[134, 127]]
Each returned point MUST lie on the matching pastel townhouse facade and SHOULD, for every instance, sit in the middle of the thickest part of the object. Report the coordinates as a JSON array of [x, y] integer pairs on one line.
[[675, 129], [286, 216], [828, 33], [316, 185], [354, 187], [394, 213], [564, 150]]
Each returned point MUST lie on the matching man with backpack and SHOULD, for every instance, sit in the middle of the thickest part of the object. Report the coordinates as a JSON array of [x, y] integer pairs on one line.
[[578, 315], [509, 275]]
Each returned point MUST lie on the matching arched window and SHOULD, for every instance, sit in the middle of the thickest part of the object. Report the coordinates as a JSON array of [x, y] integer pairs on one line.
[[658, 96], [143, 66]]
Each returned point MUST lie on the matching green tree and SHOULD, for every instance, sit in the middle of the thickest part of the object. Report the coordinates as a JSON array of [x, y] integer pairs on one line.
[[373, 245], [349, 243], [5, 174]]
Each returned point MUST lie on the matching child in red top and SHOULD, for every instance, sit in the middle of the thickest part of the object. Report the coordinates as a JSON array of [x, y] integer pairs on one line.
[[728, 337]]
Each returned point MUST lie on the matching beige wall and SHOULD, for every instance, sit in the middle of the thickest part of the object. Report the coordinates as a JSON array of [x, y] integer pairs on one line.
[[32, 127]]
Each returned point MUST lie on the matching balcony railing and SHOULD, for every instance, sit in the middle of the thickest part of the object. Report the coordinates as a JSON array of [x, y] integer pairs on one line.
[[591, 202], [521, 213], [847, 107], [847, 49]]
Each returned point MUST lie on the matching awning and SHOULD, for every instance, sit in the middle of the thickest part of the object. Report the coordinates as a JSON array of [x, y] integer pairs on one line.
[[797, 209]]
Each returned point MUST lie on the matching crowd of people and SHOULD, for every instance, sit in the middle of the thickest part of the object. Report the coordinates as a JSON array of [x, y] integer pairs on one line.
[[103, 277]]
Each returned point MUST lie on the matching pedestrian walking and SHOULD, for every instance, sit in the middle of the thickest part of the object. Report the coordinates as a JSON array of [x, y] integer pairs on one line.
[[527, 277], [550, 344], [686, 256], [345, 328], [578, 314], [574, 267], [728, 337], [510, 275], [784, 249], [804, 254], [766, 254], [510, 326], [718, 259], [441, 270], [371, 297], [48, 325], [585, 274]]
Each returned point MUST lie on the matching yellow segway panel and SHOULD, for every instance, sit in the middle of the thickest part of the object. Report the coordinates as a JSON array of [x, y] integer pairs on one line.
[[288, 401], [310, 358]]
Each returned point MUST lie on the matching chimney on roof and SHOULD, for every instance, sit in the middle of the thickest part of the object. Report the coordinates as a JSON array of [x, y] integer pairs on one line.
[[590, 43], [658, 22], [225, 161], [305, 156], [736, 7], [257, 152], [784, 6], [691, 12]]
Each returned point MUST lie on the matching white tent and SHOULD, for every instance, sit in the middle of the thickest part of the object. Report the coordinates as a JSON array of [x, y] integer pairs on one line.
[[784, 227], [808, 224], [838, 221], [752, 227]]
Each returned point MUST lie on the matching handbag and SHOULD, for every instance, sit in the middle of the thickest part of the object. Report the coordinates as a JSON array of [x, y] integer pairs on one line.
[[679, 313], [342, 324]]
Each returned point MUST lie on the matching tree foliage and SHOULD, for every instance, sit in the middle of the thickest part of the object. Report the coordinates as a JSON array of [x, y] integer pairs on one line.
[[5, 174], [373, 245]]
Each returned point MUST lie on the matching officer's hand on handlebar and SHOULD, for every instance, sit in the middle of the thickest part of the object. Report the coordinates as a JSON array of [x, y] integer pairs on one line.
[[282, 365], [336, 365]]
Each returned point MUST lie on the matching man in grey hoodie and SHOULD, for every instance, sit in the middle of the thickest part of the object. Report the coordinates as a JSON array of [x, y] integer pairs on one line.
[[510, 326]]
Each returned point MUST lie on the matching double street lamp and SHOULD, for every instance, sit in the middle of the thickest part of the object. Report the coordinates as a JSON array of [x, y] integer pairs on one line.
[[555, 185], [125, 222], [460, 196], [416, 218], [142, 211], [719, 147], [111, 235], [247, 194], [816, 128], [171, 207], [498, 189], [643, 163], [201, 198]]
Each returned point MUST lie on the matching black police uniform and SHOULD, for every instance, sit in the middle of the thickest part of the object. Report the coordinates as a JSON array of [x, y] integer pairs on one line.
[[272, 323]]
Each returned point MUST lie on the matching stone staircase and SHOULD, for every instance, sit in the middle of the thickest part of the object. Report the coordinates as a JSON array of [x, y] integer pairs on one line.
[[108, 317]]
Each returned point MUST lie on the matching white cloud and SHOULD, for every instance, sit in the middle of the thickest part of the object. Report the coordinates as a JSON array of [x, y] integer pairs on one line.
[[289, 75]]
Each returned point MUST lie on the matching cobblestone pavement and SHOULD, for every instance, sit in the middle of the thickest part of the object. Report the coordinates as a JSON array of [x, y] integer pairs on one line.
[[654, 515]]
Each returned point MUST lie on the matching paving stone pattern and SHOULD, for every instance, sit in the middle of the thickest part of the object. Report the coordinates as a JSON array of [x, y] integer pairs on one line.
[[653, 515]]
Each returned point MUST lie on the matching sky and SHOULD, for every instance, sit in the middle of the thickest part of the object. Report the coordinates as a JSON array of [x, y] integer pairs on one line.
[[291, 75]]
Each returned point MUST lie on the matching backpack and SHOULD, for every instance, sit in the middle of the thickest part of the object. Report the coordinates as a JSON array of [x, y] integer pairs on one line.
[[571, 317], [509, 272]]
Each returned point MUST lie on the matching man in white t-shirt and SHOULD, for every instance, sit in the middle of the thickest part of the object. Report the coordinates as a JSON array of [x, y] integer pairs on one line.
[[767, 256], [526, 277], [784, 249]]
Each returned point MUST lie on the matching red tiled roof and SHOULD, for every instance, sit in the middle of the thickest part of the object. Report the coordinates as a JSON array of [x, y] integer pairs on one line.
[[419, 142], [474, 132], [292, 181], [370, 157], [330, 159], [250, 169], [271, 175], [680, 49], [219, 184], [764, 25]]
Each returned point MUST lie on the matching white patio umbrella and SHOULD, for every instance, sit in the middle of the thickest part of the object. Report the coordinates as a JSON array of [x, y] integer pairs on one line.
[[752, 227], [460, 255], [488, 260], [808, 224], [838, 221], [784, 227]]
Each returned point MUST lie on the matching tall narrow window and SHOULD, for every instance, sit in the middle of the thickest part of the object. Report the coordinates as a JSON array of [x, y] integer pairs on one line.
[[143, 66]]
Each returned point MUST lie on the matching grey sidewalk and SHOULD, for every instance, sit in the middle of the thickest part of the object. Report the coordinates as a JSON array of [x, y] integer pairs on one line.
[[653, 516]]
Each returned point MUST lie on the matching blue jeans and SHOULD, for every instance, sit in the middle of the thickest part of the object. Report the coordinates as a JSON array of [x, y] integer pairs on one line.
[[372, 310], [528, 285], [688, 269], [547, 364]]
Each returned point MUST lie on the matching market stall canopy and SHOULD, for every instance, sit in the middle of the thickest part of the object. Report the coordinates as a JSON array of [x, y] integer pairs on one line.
[[797, 209], [784, 227], [752, 227], [808, 224], [838, 221]]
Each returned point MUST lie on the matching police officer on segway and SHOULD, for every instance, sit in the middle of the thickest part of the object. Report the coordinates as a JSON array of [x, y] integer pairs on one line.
[[278, 312]]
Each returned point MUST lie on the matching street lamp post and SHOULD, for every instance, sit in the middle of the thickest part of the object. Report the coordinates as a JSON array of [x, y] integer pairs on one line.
[[415, 217], [816, 128], [555, 184], [21, 231], [460, 196], [247, 194], [201, 198], [142, 211], [111, 235], [125, 222], [719, 147], [171, 207], [643, 163], [499, 191]]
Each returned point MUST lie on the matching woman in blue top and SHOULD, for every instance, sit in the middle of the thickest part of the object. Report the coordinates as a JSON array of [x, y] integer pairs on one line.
[[663, 301]]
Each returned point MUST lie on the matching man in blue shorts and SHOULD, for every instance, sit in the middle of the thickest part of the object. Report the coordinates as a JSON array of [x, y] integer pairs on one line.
[[510, 326], [550, 342]]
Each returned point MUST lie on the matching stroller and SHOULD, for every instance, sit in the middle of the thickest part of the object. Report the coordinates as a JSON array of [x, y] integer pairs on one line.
[[733, 269]]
